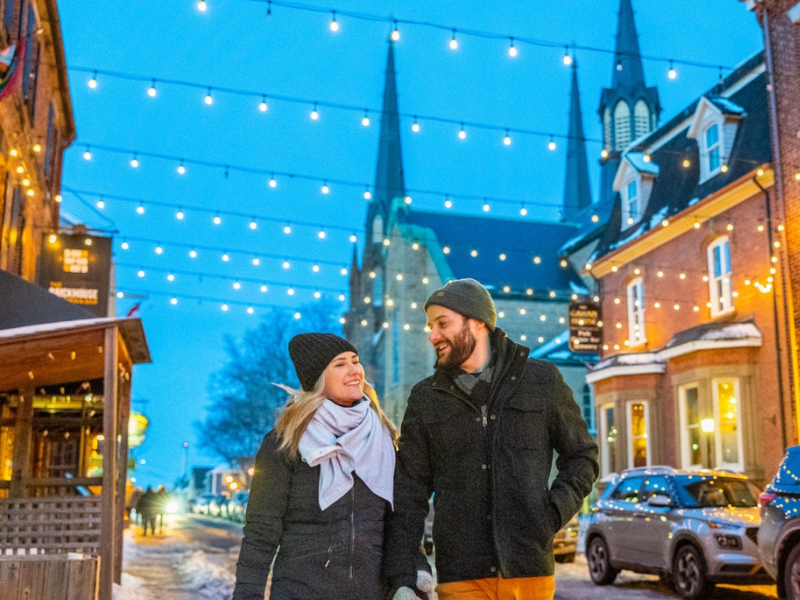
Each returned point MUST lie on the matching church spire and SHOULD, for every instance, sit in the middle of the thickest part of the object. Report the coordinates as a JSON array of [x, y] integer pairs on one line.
[[577, 189], [389, 183], [628, 71]]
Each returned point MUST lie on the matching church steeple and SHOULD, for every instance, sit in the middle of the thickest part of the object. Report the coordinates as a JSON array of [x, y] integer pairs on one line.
[[389, 182], [628, 109], [577, 189]]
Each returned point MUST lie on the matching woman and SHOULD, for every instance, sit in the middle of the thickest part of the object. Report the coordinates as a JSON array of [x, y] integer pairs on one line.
[[323, 483]]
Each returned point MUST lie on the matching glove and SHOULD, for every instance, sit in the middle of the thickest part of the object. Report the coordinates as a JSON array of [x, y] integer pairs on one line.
[[405, 593], [425, 582]]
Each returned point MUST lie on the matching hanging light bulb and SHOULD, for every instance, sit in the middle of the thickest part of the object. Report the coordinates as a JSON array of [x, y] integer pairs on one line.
[[567, 57], [217, 220], [140, 209], [354, 238], [407, 199], [552, 144], [192, 253], [395, 35], [523, 211], [415, 126], [325, 188], [453, 41], [604, 153], [321, 234], [256, 261], [100, 203], [462, 134], [486, 207], [314, 113], [181, 169], [448, 203], [507, 139], [159, 250], [619, 64], [365, 120], [209, 100], [263, 106], [334, 24], [367, 194], [37, 147], [179, 215], [125, 245], [202, 6], [672, 73], [225, 257], [512, 50], [273, 182], [135, 161], [253, 224], [287, 230], [151, 91], [87, 155], [686, 163], [93, 81], [646, 158]]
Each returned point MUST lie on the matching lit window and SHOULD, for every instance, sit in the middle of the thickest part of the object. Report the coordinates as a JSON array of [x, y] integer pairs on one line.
[[691, 451], [636, 333], [638, 438], [608, 440], [719, 276], [727, 433]]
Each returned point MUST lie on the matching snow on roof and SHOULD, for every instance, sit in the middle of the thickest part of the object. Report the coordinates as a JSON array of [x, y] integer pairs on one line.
[[578, 289], [640, 164], [637, 232], [639, 358], [659, 217], [736, 331], [50, 327], [727, 105]]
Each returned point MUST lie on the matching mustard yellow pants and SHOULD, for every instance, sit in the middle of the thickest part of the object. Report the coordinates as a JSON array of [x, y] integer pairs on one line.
[[497, 588]]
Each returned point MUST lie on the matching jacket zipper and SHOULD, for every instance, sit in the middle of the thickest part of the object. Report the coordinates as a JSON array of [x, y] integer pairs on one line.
[[352, 528]]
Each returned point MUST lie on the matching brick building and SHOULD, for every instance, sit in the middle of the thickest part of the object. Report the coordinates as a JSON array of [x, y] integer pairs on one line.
[[695, 369], [36, 126]]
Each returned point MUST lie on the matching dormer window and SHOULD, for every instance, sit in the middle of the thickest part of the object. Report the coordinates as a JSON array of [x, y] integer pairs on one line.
[[630, 205], [714, 126], [634, 182]]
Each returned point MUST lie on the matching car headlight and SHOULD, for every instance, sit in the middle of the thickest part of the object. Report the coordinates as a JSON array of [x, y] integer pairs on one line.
[[730, 542]]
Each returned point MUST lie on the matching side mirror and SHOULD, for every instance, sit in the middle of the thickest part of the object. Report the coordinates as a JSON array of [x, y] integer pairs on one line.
[[659, 501]]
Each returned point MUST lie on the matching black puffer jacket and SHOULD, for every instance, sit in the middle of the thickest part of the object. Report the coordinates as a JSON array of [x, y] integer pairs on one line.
[[495, 513], [324, 555]]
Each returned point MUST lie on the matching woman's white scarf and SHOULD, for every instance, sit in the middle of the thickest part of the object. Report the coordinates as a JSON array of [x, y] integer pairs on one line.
[[345, 440]]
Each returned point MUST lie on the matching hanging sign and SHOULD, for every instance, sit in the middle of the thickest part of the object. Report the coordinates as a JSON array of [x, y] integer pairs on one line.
[[77, 268], [585, 332]]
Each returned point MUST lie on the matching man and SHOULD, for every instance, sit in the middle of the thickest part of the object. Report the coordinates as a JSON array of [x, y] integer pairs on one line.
[[480, 435]]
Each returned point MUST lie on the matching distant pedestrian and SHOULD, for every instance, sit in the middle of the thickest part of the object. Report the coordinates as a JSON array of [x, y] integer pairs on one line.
[[146, 508], [480, 435], [161, 502], [322, 485]]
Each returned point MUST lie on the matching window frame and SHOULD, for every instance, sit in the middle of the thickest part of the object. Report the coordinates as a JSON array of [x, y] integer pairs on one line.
[[629, 431], [607, 469], [705, 150], [738, 466], [620, 119], [685, 440], [722, 282], [636, 315]]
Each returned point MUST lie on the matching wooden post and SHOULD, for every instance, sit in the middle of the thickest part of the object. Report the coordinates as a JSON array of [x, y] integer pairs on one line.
[[122, 468], [21, 457], [108, 524]]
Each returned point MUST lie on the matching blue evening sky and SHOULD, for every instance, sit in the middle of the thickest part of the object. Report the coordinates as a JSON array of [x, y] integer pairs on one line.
[[233, 44]]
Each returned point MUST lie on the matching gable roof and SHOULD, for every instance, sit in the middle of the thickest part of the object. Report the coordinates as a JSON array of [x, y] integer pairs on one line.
[[520, 241], [677, 187]]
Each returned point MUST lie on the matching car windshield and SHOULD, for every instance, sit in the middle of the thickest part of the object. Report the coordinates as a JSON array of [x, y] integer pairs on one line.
[[699, 491]]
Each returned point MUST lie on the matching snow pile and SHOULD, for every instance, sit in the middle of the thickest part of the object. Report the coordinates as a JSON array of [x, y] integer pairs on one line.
[[733, 332], [642, 358], [207, 580], [132, 588]]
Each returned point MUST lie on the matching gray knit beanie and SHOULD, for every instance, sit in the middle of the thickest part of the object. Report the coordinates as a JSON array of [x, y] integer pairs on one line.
[[467, 297], [311, 354]]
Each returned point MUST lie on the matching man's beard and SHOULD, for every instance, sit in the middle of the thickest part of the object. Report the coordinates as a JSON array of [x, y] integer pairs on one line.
[[461, 348]]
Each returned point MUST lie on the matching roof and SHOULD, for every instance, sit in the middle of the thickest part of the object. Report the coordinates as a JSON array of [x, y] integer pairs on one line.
[[716, 332], [676, 188], [557, 351], [520, 242], [628, 360], [25, 303]]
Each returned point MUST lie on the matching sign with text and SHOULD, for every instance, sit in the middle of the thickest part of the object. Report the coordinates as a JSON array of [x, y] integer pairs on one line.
[[77, 268], [585, 333]]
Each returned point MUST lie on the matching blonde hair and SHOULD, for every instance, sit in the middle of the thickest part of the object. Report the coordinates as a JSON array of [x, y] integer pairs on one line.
[[302, 407]]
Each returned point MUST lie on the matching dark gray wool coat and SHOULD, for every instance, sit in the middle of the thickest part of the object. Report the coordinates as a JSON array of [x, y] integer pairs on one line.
[[324, 555], [495, 512]]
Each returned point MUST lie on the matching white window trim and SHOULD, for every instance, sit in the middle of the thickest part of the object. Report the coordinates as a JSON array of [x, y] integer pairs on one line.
[[739, 466], [629, 430], [606, 469], [636, 314], [712, 281], [626, 215], [684, 437], [706, 151]]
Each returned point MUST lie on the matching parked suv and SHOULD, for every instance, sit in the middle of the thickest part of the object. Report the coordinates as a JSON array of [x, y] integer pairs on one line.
[[779, 535], [695, 528]]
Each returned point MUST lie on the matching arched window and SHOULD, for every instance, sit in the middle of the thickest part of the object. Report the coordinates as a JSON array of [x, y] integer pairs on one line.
[[377, 287], [636, 333], [641, 117], [377, 230], [607, 141], [622, 126], [719, 276]]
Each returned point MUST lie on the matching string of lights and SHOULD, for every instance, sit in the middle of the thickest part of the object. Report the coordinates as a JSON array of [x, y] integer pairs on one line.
[[327, 182], [315, 105], [457, 32]]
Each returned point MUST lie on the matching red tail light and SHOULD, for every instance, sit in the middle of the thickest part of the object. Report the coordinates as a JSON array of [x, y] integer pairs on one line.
[[764, 498]]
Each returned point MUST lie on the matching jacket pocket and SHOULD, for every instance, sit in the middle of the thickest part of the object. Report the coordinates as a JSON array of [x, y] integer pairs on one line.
[[524, 422], [453, 430]]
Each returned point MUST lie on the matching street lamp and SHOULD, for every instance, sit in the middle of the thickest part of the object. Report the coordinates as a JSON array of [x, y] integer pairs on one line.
[[707, 427]]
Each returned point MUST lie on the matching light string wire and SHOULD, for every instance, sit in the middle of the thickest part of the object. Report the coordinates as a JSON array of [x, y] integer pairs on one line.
[[481, 33]]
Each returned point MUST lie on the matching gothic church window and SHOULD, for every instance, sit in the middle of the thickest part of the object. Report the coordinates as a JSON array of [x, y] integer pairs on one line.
[[622, 126], [377, 287], [377, 230], [641, 115]]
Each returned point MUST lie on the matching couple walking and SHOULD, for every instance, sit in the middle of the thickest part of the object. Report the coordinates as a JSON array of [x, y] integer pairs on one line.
[[345, 513]]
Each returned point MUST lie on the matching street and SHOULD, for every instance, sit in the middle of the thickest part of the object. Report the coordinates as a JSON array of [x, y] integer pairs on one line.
[[194, 558]]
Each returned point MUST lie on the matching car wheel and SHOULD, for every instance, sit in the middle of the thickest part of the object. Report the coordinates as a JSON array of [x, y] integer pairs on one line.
[[600, 569], [565, 558], [791, 574], [689, 573]]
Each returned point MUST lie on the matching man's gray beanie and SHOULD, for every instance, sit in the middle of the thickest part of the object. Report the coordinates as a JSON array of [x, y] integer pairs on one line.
[[467, 297]]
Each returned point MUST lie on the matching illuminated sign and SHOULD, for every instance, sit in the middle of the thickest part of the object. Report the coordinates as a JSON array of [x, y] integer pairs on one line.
[[585, 327]]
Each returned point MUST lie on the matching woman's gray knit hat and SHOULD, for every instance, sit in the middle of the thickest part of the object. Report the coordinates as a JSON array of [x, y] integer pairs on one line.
[[311, 354], [467, 297]]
